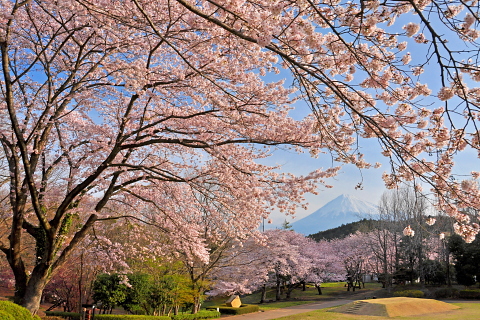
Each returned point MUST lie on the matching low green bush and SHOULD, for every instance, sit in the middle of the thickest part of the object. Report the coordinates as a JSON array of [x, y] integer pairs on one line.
[[444, 293], [6, 316], [15, 311], [244, 308], [129, 317], [469, 294], [65, 315], [198, 316], [51, 318], [409, 293], [203, 314], [73, 315]]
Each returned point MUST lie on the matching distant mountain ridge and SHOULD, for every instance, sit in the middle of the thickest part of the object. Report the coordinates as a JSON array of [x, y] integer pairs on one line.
[[364, 225], [342, 210]]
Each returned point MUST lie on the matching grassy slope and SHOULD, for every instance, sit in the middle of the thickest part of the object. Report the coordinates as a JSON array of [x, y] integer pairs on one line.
[[467, 311]]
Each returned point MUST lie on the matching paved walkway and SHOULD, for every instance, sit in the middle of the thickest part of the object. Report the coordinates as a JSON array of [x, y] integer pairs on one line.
[[283, 312]]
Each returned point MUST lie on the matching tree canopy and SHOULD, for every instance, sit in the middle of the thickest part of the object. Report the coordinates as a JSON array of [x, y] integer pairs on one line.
[[162, 111]]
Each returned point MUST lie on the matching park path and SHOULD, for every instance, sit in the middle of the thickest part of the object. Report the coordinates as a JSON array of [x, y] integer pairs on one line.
[[283, 312]]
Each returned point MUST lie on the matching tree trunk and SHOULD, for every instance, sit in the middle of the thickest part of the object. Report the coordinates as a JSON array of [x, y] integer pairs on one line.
[[319, 289], [420, 266], [288, 292], [263, 296], [196, 305], [34, 290], [277, 291]]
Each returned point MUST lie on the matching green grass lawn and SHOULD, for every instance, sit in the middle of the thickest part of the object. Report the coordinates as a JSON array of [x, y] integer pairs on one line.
[[298, 297], [467, 311]]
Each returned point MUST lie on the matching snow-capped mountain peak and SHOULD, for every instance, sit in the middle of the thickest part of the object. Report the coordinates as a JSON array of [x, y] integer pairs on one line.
[[347, 204], [341, 210]]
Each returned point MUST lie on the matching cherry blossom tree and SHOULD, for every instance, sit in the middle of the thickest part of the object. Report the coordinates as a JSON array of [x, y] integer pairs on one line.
[[102, 119], [108, 102], [354, 253], [350, 61], [282, 259], [246, 267], [260, 263], [326, 265], [293, 260]]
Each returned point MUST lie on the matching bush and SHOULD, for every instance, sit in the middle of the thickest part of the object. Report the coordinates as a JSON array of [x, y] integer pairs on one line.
[[65, 315], [444, 293], [51, 318], [6, 316], [129, 317], [469, 294], [15, 311], [244, 308], [409, 293], [198, 316], [204, 314]]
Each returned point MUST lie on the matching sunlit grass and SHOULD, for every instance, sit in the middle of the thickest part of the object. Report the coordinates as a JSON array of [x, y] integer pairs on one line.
[[298, 297], [281, 304], [467, 311]]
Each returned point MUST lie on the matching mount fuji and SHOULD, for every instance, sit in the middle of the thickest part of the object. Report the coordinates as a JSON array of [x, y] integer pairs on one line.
[[341, 210]]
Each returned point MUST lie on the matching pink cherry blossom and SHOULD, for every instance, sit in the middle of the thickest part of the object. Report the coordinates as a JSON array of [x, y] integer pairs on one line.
[[408, 231]]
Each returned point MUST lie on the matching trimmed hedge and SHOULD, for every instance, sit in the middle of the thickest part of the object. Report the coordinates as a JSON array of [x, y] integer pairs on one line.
[[129, 317], [469, 294], [203, 314], [51, 318], [409, 293], [244, 308], [198, 316], [445, 293], [10, 310], [69, 315]]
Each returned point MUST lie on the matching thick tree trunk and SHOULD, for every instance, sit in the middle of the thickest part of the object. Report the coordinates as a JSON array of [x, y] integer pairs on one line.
[[20, 285], [319, 289], [34, 290]]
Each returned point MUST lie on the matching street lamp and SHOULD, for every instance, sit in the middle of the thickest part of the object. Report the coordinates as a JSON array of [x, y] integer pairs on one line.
[[88, 311]]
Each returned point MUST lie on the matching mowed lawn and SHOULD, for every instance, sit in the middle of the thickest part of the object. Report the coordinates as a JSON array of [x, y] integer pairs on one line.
[[467, 311], [329, 290]]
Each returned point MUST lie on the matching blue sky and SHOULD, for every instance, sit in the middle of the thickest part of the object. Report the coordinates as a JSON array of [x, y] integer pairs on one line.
[[343, 183]]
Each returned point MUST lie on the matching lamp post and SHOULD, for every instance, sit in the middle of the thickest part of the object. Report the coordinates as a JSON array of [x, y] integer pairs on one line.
[[88, 312]]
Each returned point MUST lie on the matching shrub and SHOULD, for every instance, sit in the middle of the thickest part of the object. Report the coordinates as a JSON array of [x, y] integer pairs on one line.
[[204, 314], [409, 293], [66, 315], [129, 317], [445, 293], [51, 318], [15, 311], [6, 316], [244, 308], [469, 294]]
